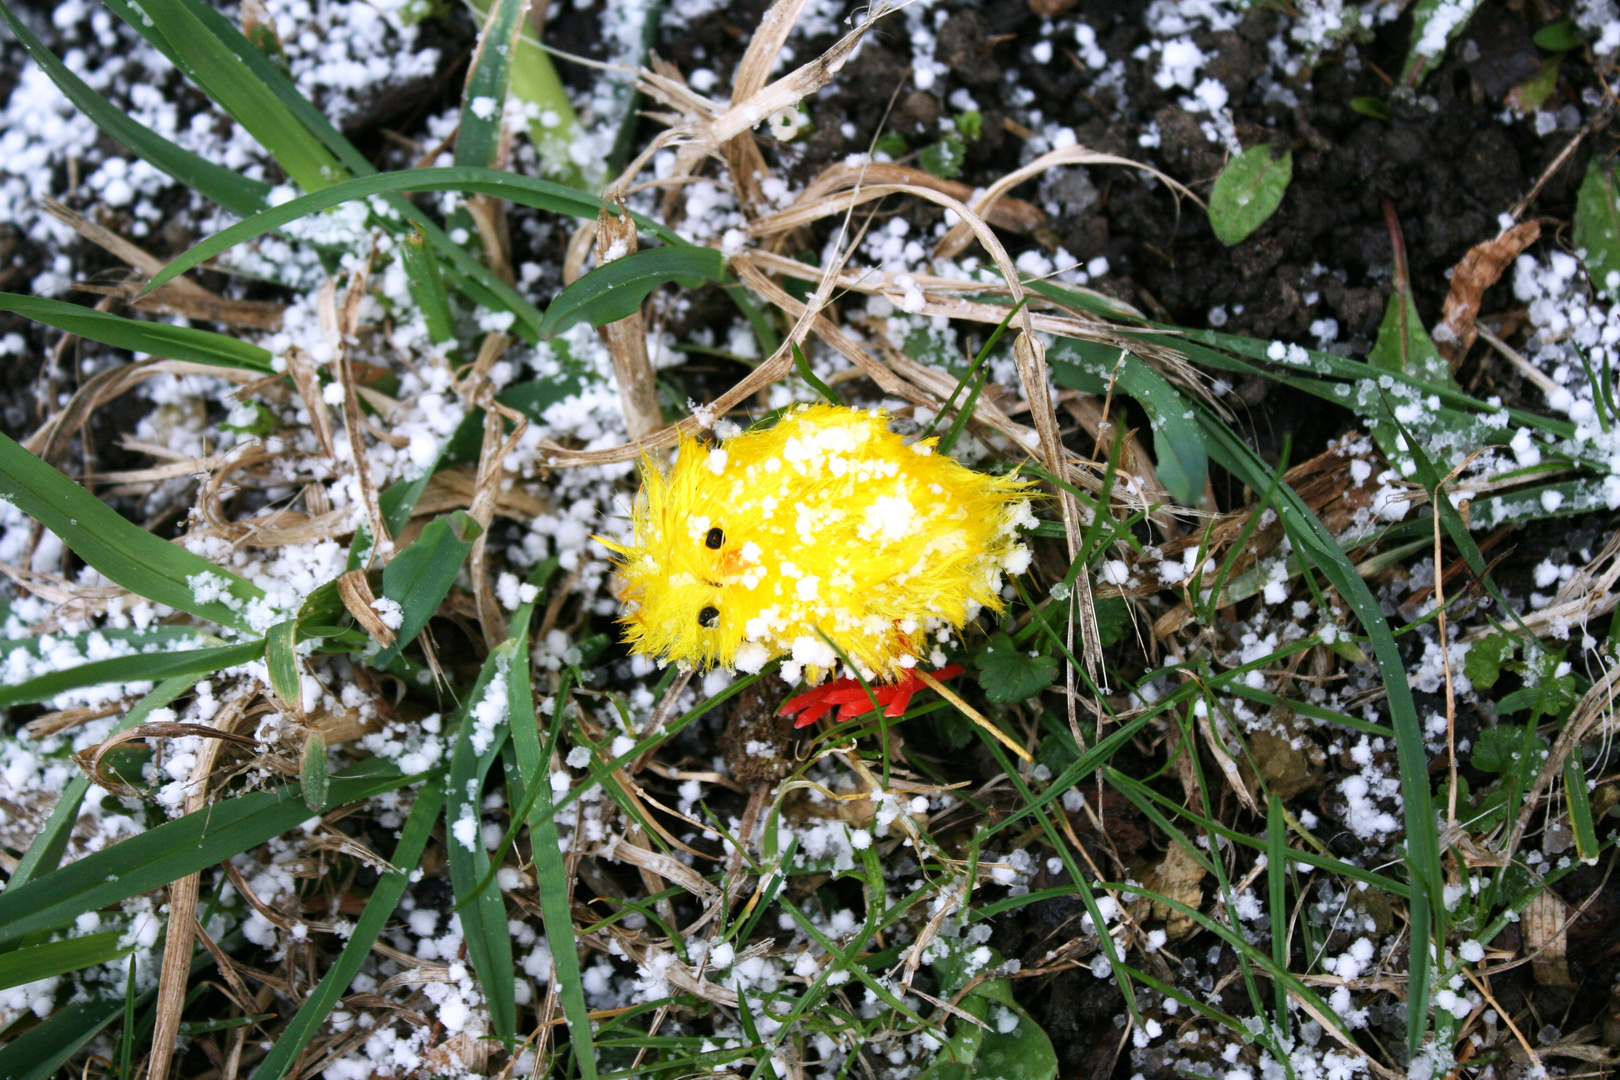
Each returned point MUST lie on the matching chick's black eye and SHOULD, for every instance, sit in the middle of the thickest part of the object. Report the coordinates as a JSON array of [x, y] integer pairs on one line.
[[708, 616], [715, 538]]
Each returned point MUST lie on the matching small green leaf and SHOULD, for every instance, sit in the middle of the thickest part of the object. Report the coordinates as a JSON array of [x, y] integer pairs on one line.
[[970, 124], [615, 291], [892, 143], [1597, 227], [1560, 36], [1483, 664], [1009, 674], [281, 660], [953, 729], [1499, 749], [1532, 94], [944, 159], [419, 578], [1375, 107], [1247, 192], [1403, 344], [1113, 619]]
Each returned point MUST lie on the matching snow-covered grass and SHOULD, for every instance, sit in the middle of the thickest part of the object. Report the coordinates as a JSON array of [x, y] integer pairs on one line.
[[354, 778]]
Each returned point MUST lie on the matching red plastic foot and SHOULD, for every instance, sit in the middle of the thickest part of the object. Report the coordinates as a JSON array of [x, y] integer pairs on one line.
[[851, 699]]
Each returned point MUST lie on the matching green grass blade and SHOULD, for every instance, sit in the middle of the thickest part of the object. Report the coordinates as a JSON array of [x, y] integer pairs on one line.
[[159, 339], [40, 1051], [483, 911], [525, 190], [1277, 902], [171, 637], [427, 286], [612, 292], [550, 871], [534, 81], [121, 550], [59, 957], [174, 849], [1310, 537], [222, 75], [483, 99], [385, 896], [1181, 460], [141, 667], [44, 854], [236, 193], [419, 578], [1580, 808]]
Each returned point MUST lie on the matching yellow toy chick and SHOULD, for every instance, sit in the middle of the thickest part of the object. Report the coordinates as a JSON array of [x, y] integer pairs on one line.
[[826, 526]]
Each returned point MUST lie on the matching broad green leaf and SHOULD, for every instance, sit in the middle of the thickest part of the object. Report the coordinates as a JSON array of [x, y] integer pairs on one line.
[[1113, 619], [174, 849], [139, 667], [1025, 1053], [527, 191], [1597, 226], [121, 550], [483, 912], [1178, 445], [234, 192], [222, 75], [1375, 107], [385, 897], [612, 292], [36, 962], [1247, 192], [1434, 24], [1009, 674], [159, 339], [419, 578]]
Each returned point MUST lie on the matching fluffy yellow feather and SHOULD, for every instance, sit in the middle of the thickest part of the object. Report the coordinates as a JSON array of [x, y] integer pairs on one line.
[[826, 526]]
